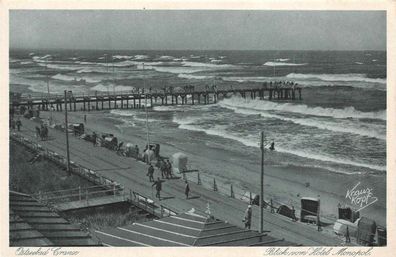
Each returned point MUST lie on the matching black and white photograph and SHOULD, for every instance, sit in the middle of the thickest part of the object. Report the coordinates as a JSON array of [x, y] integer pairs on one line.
[[197, 128]]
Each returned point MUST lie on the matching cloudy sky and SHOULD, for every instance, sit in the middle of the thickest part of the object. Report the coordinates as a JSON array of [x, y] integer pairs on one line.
[[198, 29]]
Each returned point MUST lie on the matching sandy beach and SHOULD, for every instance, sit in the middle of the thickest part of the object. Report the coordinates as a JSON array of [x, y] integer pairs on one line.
[[284, 184]]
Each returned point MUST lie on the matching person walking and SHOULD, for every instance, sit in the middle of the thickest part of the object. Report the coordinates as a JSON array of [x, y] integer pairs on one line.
[[150, 173], [94, 138], [248, 217], [163, 168], [158, 188], [168, 169], [347, 237], [18, 124], [85, 118], [187, 189]]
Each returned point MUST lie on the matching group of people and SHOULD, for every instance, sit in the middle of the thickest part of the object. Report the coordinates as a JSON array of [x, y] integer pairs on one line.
[[16, 124], [279, 84], [165, 168], [42, 132], [158, 184]]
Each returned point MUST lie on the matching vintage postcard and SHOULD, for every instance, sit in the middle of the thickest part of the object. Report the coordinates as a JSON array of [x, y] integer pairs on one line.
[[240, 129]]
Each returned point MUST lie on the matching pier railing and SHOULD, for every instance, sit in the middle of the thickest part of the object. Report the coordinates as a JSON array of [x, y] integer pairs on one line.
[[160, 210], [110, 186]]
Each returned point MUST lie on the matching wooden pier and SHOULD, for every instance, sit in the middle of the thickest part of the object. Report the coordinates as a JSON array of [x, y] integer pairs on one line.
[[133, 100]]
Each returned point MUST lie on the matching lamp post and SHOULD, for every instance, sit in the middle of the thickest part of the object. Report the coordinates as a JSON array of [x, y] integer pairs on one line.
[[67, 135], [262, 184]]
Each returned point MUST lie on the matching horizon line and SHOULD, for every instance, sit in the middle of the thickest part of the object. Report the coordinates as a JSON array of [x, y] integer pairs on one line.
[[251, 50]]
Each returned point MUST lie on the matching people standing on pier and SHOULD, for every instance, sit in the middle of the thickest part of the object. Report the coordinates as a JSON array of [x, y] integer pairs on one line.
[[18, 124], [150, 173], [187, 189], [158, 188], [248, 217]]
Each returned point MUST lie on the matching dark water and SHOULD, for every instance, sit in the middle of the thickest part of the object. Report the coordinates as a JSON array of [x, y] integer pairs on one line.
[[340, 124]]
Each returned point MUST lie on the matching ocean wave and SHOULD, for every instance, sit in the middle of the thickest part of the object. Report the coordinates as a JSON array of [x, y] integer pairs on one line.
[[337, 77], [282, 60], [132, 114], [207, 65], [166, 57], [120, 57], [189, 76], [63, 77], [373, 132], [283, 64], [250, 79], [105, 88], [140, 57], [77, 79], [222, 132], [360, 63], [345, 113], [321, 157]]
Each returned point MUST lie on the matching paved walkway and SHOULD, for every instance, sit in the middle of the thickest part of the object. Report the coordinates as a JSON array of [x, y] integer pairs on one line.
[[132, 174]]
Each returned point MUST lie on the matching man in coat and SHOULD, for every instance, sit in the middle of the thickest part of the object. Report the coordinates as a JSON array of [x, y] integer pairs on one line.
[[248, 217], [158, 188]]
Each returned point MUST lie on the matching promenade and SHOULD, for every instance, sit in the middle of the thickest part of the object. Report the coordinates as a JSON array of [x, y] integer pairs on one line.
[[132, 175]]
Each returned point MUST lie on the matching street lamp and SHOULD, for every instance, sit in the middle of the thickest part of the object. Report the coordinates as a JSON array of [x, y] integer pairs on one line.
[[68, 94]]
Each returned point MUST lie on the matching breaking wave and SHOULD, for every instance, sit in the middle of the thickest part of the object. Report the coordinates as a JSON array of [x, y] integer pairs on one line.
[[219, 130], [337, 77], [283, 64], [105, 88], [347, 112]]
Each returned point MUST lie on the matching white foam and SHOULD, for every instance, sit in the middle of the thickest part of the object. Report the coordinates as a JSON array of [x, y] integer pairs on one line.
[[325, 158], [27, 62], [337, 77], [334, 126], [140, 57], [252, 142], [122, 57], [62, 77], [189, 76], [360, 63], [347, 112], [283, 64], [110, 88], [282, 60], [166, 57]]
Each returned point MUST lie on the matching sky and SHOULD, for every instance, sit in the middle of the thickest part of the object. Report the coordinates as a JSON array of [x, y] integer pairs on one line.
[[198, 30]]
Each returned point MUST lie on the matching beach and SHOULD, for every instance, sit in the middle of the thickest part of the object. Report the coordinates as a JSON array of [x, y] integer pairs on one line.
[[284, 184]]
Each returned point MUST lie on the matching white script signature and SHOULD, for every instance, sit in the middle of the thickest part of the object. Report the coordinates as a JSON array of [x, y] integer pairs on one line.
[[361, 197]]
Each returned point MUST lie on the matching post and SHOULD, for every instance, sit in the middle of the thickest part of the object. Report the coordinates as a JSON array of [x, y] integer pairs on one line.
[[67, 137], [79, 193], [262, 183], [86, 195]]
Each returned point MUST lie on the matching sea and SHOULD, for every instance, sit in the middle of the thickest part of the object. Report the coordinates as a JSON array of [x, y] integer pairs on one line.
[[339, 125]]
